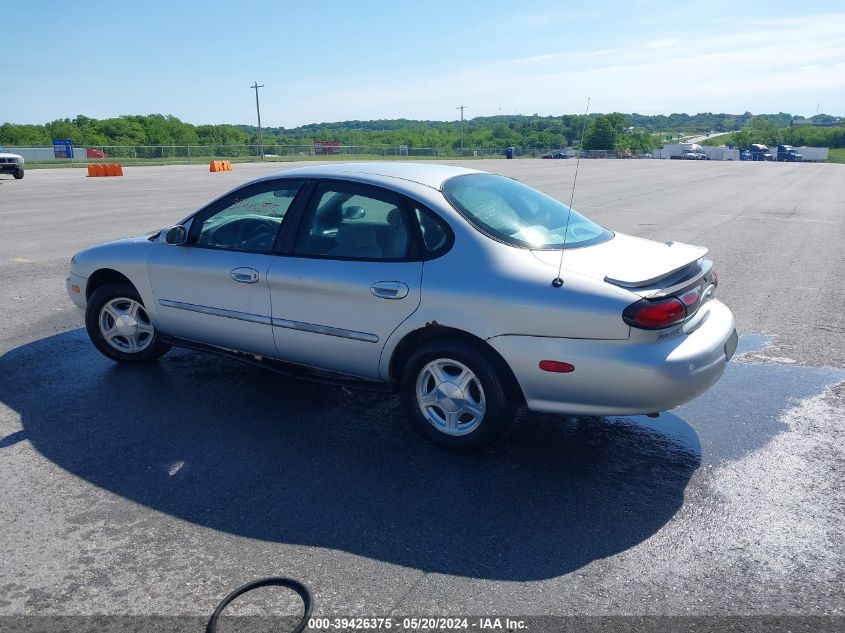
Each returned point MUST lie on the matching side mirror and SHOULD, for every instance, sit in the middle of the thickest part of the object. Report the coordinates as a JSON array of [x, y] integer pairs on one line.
[[176, 235]]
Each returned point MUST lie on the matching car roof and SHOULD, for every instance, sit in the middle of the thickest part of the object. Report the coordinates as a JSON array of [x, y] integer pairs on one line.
[[429, 174]]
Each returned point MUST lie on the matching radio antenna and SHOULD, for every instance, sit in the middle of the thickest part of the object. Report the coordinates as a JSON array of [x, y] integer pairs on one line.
[[557, 282]]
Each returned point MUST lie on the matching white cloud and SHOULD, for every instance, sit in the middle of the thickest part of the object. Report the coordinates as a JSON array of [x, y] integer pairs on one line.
[[764, 66]]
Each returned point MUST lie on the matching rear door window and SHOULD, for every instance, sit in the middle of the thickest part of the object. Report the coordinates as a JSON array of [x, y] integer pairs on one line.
[[351, 221]]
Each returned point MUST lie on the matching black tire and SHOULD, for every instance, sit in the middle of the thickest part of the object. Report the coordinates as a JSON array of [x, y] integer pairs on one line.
[[152, 350], [498, 392], [18, 174]]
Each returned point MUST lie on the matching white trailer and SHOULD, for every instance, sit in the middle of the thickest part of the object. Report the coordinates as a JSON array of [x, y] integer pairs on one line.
[[723, 152], [812, 153], [676, 150]]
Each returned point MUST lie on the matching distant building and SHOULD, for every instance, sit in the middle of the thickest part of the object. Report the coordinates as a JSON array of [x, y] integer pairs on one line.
[[327, 147]]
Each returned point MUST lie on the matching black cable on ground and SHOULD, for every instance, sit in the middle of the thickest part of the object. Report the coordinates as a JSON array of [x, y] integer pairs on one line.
[[273, 581]]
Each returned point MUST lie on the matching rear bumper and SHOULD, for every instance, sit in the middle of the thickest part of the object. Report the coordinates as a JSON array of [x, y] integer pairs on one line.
[[622, 377], [78, 297]]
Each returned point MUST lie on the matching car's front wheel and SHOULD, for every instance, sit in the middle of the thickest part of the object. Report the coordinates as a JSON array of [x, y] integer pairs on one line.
[[119, 326], [18, 174], [456, 396]]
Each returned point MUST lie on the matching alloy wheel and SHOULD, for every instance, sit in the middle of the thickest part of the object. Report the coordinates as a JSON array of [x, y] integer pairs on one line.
[[450, 397], [126, 326]]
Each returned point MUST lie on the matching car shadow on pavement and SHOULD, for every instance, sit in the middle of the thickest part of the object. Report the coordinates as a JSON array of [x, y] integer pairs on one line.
[[233, 448]]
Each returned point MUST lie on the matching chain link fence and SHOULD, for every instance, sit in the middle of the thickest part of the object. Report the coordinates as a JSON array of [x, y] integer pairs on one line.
[[196, 154]]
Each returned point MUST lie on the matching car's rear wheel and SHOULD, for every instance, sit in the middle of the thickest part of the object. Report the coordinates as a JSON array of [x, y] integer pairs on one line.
[[119, 326], [456, 396]]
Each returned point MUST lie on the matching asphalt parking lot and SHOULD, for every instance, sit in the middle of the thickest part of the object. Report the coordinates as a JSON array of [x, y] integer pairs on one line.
[[155, 490]]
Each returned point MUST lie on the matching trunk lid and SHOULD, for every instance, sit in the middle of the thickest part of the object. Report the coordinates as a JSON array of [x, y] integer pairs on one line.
[[642, 266]]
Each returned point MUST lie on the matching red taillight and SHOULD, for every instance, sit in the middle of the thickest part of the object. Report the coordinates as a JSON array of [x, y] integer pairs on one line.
[[654, 315], [557, 366]]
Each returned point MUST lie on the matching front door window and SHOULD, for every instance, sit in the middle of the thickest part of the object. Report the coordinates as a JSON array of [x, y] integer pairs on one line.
[[248, 222]]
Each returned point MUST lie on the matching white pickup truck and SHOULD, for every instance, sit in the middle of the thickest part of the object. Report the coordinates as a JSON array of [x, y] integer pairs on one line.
[[11, 163]]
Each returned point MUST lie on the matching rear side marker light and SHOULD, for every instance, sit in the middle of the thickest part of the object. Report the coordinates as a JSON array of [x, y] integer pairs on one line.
[[691, 297], [557, 366], [75, 288], [654, 315]]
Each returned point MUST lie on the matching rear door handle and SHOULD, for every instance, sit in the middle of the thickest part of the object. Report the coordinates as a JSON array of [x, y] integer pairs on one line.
[[245, 275], [390, 289]]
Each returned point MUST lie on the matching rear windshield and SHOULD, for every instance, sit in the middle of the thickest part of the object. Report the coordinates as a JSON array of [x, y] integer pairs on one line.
[[519, 215]]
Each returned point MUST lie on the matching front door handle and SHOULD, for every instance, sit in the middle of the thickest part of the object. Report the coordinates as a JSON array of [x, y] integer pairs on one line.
[[245, 275], [390, 289]]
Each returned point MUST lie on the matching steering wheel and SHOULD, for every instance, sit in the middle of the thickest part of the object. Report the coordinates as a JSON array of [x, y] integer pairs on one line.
[[256, 234], [209, 239]]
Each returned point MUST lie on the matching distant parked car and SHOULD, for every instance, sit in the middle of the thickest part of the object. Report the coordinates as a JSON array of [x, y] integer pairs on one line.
[[786, 153], [760, 152], [435, 281], [11, 163], [558, 154], [693, 155]]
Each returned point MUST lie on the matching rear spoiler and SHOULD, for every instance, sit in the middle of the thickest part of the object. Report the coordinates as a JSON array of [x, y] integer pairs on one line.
[[648, 273]]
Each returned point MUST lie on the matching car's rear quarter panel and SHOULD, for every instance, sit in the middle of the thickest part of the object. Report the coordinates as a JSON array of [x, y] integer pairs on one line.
[[621, 377], [489, 289]]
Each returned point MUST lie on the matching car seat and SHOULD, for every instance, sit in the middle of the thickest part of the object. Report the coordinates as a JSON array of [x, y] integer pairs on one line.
[[356, 240]]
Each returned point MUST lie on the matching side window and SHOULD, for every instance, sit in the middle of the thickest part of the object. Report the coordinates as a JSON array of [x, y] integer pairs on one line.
[[354, 221], [250, 222], [434, 231]]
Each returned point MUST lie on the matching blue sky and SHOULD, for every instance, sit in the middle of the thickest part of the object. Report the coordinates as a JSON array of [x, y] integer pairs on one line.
[[333, 61]]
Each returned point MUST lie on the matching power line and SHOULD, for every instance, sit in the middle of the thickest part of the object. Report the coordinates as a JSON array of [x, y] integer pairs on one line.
[[462, 108], [256, 86]]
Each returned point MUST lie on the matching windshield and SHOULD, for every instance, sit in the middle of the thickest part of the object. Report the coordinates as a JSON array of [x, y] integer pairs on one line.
[[3, 149], [519, 215]]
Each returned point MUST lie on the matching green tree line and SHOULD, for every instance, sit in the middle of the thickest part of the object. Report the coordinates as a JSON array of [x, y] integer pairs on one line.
[[612, 131], [151, 129], [531, 132], [760, 130], [498, 131]]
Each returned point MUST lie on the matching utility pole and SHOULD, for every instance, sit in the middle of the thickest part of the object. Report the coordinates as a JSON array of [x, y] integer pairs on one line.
[[256, 86], [462, 108]]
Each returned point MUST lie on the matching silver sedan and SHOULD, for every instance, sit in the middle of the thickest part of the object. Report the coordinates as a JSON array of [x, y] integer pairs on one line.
[[469, 293]]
